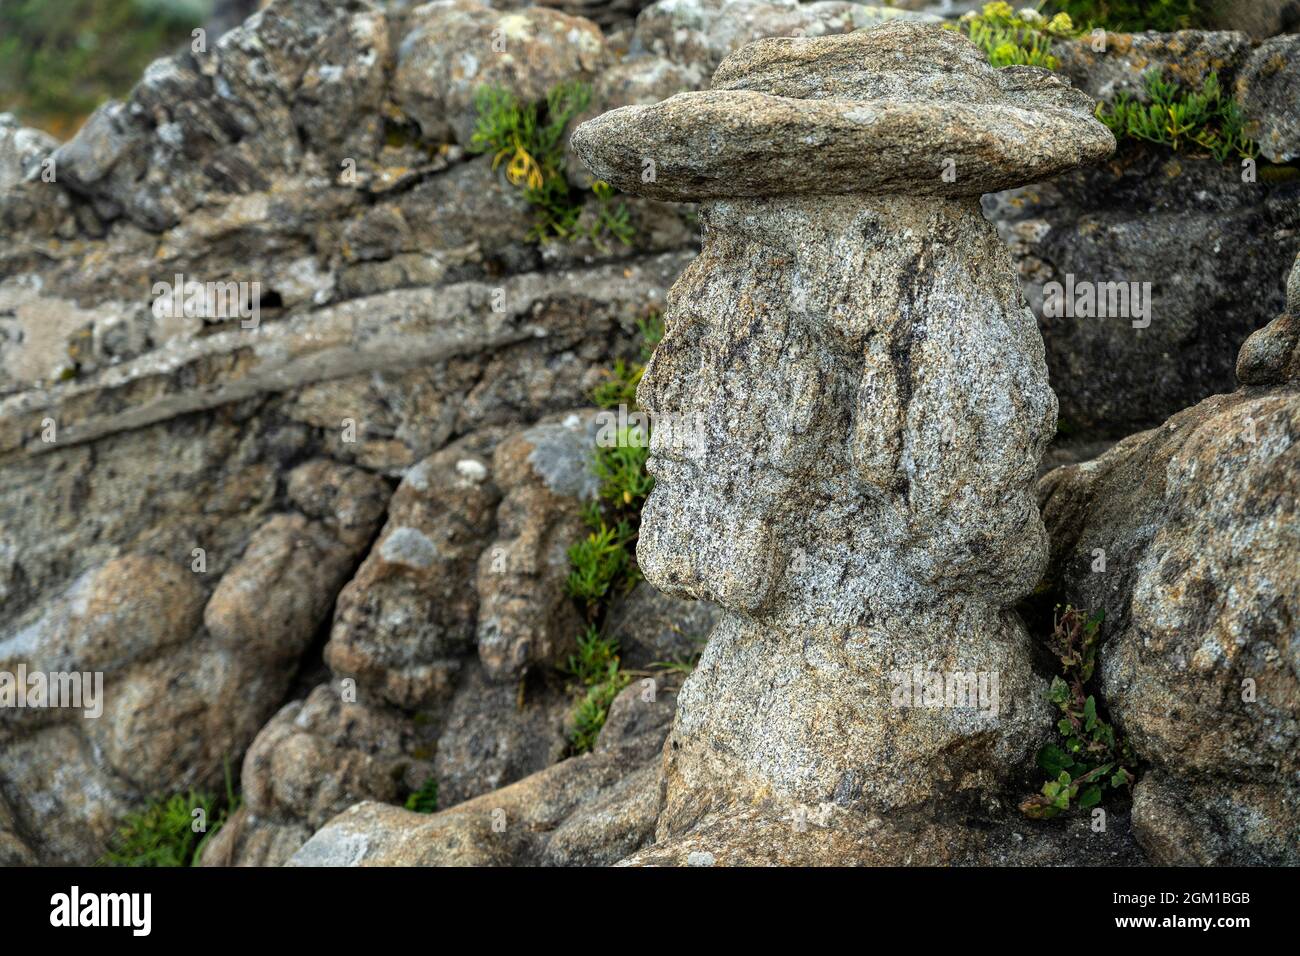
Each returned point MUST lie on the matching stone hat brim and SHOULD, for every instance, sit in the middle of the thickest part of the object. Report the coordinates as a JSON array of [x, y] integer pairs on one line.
[[731, 143]]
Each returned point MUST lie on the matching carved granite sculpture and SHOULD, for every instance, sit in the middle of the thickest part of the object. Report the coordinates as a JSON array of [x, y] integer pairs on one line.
[[850, 404]]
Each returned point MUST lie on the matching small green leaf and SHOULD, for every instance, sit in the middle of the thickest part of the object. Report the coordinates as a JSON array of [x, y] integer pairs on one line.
[[1090, 797], [1052, 759], [1059, 692]]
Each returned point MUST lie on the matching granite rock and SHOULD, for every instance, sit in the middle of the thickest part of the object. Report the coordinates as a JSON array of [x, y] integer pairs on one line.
[[850, 114], [1269, 89], [1196, 523]]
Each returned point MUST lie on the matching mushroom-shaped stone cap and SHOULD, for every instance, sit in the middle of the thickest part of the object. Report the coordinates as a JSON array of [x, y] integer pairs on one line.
[[901, 108]]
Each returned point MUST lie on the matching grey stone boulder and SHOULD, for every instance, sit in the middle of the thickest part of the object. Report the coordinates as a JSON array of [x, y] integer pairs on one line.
[[1269, 90], [858, 113], [455, 47], [1201, 662], [588, 810], [701, 33], [656, 628], [312, 760], [874, 516], [526, 617], [222, 121], [1213, 248], [495, 733], [405, 622], [1187, 56], [1259, 18]]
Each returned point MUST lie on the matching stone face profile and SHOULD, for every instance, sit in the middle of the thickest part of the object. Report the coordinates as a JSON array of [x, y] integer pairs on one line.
[[868, 403]]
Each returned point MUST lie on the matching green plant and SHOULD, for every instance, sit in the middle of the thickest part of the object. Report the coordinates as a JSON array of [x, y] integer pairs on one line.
[[624, 482], [683, 665], [595, 659], [528, 138], [1015, 38], [1181, 118], [589, 716], [595, 665], [601, 563], [424, 800], [1091, 757], [652, 332], [164, 834], [604, 563], [610, 218], [1127, 16], [619, 388]]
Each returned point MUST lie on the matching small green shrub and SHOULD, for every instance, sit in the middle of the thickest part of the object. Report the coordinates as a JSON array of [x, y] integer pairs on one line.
[[601, 564], [652, 332], [595, 658], [595, 665], [529, 139], [683, 665], [424, 800], [1128, 16], [163, 834], [624, 482], [1091, 758], [1015, 38], [590, 714], [1181, 118], [620, 386]]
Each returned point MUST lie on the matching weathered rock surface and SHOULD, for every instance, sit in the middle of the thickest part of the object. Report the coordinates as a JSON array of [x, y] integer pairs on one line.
[[526, 617], [654, 628], [1190, 228], [1269, 89], [1188, 56], [703, 32], [226, 120], [408, 332], [1259, 18], [496, 733], [189, 673], [314, 759], [1201, 667], [406, 621], [878, 500], [588, 810], [843, 108], [455, 47], [831, 836]]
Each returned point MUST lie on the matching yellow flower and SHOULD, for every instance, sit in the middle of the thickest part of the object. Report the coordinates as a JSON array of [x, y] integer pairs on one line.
[[998, 9], [522, 170], [1061, 23]]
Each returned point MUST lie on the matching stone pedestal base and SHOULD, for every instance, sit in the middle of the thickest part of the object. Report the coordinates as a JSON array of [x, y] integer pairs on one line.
[[884, 718]]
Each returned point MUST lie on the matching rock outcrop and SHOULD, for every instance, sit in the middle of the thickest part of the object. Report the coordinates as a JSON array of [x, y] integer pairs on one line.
[[325, 543], [1195, 524], [589, 810]]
